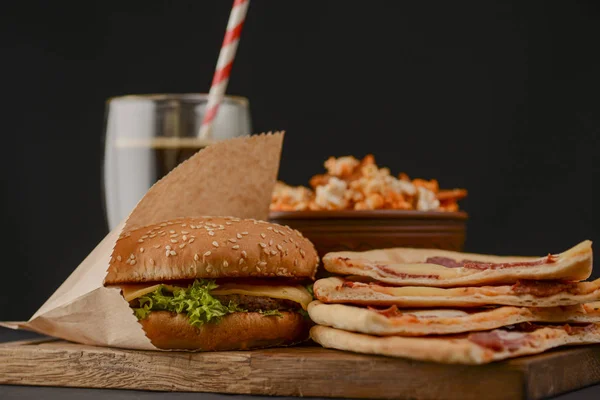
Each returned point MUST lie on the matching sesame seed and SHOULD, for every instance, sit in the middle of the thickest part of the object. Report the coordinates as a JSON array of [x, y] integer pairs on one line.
[[182, 245], [262, 263], [244, 254], [163, 234], [273, 252], [151, 261], [285, 252], [193, 226], [292, 240], [140, 240], [262, 235], [238, 236], [298, 234], [141, 249], [282, 233], [145, 237], [185, 232], [257, 268], [270, 228], [208, 253], [173, 253], [225, 264], [167, 253], [215, 243], [211, 233], [232, 240], [227, 223], [241, 261], [156, 246], [184, 238], [168, 247], [163, 224], [237, 246], [209, 268], [133, 262], [131, 256], [279, 247], [174, 235], [196, 257], [153, 235], [266, 251], [191, 240], [271, 242], [119, 258], [244, 233], [171, 231], [263, 245], [295, 261], [183, 225], [173, 240]]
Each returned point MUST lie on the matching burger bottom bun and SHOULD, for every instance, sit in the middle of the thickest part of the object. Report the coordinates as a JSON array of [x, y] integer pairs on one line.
[[237, 331]]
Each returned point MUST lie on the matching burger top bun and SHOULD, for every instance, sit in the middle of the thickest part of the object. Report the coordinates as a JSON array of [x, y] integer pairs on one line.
[[211, 247]]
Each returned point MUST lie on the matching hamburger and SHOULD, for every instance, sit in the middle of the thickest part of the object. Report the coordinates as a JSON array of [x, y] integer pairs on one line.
[[216, 283]]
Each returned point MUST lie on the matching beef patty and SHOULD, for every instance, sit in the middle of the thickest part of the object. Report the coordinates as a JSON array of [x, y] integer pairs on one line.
[[256, 303]]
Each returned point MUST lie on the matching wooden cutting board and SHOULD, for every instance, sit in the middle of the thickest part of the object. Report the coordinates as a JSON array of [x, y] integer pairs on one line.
[[298, 371]]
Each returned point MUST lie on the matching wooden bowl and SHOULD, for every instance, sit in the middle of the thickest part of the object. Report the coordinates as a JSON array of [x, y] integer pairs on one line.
[[377, 229]]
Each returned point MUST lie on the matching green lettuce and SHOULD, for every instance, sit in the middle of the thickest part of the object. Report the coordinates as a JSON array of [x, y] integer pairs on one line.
[[309, 287], [195, 301], [271, 313]]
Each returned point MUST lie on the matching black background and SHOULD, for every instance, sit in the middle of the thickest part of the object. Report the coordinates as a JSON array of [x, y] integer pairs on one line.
[[502, 98]]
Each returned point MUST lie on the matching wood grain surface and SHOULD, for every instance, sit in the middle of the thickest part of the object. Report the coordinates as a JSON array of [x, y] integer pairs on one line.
[[298, 371]]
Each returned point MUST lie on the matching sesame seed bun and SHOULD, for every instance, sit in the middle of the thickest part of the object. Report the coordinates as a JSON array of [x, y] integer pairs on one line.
[[211, 247], [237, 331]]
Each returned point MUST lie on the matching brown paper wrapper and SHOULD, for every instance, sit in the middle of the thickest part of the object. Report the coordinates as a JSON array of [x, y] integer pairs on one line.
[[230, 178]]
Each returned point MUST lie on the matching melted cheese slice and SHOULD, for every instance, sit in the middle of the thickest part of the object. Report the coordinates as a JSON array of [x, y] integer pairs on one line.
[[423, 269], [297, 293], [416, 291], [135, 290], [437, 313]]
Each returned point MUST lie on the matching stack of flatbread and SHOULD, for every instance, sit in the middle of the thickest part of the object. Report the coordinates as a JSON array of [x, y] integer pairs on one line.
[[453, 307]]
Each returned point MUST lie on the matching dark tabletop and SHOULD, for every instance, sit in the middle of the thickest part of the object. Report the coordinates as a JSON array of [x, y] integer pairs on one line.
[[35, 392]]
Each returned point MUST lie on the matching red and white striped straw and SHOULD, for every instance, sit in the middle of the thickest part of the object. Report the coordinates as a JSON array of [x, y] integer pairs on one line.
[[224, 64]]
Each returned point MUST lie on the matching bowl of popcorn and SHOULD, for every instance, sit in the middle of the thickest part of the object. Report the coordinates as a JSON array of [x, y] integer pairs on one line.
[[359, 206]]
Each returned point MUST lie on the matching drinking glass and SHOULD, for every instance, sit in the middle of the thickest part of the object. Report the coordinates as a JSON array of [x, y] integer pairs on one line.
[[146, 136]]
